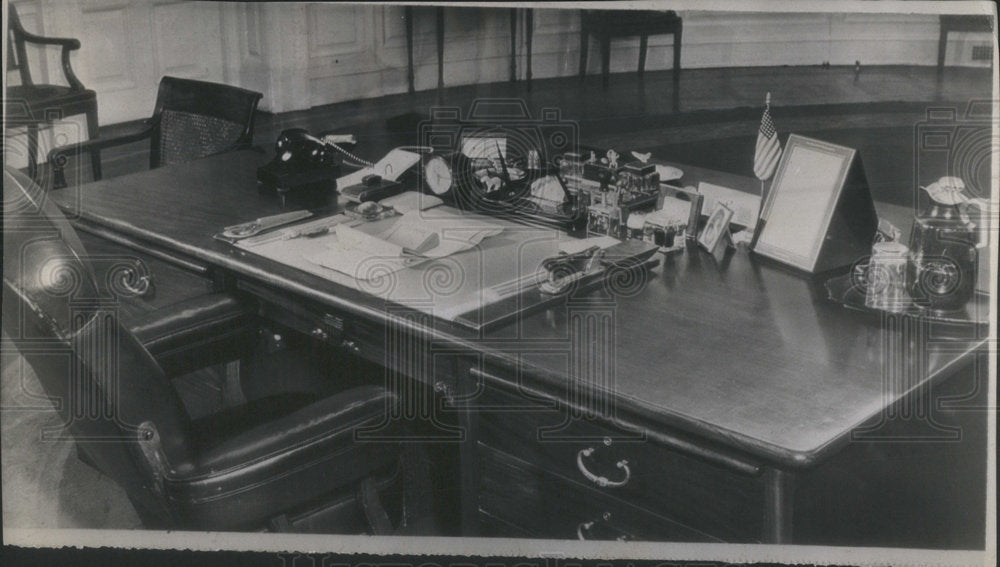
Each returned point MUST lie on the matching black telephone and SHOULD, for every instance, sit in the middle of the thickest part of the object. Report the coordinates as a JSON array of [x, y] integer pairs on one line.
[[304, 169]]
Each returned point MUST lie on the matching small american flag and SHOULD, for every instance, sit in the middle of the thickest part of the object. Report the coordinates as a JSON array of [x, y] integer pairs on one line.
[[768, 151]]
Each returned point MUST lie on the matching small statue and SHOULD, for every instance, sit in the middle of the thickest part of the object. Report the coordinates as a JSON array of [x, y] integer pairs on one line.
[[593, 158], [613, 159]]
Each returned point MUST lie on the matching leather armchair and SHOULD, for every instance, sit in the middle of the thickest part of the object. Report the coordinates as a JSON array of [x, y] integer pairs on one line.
[[279, 461]]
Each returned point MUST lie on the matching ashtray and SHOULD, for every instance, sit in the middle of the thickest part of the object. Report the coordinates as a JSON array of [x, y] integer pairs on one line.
[[368, 211]]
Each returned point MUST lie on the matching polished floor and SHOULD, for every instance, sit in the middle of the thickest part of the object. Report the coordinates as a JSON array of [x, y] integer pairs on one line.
[[45, 485]]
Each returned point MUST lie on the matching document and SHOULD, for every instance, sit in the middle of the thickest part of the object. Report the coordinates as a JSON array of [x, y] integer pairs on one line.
[[411, 240], [394, 164]]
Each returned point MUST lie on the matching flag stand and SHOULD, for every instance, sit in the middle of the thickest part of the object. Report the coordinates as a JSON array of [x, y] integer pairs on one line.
[[771, 136]]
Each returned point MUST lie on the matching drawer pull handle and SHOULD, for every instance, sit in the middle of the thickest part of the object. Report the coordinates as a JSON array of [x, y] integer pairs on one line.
[[601, 481]]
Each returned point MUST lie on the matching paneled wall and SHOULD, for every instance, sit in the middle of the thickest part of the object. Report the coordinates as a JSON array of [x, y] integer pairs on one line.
[[306, 54]]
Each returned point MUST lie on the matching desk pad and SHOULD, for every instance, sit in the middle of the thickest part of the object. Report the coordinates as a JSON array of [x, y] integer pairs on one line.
[[461, 287]]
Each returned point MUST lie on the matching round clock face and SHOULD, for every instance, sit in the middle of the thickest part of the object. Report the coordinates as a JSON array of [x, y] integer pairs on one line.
[[438, 175]]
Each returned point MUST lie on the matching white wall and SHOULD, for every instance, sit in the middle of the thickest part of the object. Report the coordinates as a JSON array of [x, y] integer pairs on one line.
[[301, 55]]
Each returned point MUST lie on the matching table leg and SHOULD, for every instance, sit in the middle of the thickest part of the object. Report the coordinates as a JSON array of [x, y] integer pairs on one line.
[[643, 45], [529, 29], [92, 133], [440, 42], [605, 57], [678, 32], [513, 45], [942, 49], [778, 502], [408, 18]]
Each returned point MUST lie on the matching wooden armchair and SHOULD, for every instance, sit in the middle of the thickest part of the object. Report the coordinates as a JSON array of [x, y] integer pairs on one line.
[[32, 105], [192, 119]]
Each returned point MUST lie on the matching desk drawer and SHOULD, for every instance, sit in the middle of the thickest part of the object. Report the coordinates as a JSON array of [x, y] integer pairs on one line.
[[724, 501], [517, 499], [395, 348]]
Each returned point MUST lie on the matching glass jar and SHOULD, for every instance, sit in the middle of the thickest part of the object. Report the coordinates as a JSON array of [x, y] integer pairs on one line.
[[886, 277]]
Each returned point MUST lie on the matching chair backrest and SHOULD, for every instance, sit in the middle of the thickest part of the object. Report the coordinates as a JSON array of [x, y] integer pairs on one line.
[[17, 55], [109, 391], [194, 119]]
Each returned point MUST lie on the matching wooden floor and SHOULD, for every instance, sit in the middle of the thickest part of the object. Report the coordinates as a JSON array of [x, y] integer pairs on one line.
[[704, 95], [44, 485]]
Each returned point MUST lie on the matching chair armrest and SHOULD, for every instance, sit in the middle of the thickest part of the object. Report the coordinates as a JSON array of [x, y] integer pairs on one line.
[[285, 462], [197, 332], [59, 157], [68, 44]]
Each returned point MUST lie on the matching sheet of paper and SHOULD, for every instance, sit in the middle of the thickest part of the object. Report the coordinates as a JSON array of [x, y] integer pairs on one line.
[[394, 164], [455, 232], [745, 206]]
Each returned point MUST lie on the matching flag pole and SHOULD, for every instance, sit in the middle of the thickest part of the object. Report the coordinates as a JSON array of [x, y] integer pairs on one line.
[[767, 107], [760, 210]]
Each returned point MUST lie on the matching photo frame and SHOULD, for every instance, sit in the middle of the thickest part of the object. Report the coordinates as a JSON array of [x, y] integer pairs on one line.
[[692, 196], [716, 231], [798, 225]]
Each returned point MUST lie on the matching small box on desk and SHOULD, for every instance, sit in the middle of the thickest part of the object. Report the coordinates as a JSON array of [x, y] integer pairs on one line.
[[311, 188], [599, 172]]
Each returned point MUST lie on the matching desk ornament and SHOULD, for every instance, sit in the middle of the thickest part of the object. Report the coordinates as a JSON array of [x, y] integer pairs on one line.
[[577, 269], [715, 235], [945, 243], [667, 227]]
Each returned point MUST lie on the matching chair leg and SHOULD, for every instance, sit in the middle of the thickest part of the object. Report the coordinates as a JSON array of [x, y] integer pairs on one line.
[[33, 151], [643, 45], [942, 50], [92, 133]]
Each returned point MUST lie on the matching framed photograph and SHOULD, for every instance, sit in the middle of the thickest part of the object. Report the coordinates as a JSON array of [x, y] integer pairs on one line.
[[796, 216], [691, 195], [716, 228]]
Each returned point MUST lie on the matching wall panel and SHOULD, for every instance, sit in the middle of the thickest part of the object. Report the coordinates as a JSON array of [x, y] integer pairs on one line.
[[302, 55]]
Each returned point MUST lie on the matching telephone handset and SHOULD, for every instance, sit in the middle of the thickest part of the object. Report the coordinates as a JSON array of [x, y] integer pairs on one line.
[[297, 148]]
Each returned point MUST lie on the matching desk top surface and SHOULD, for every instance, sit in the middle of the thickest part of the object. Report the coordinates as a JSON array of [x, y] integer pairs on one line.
[[738, 350]]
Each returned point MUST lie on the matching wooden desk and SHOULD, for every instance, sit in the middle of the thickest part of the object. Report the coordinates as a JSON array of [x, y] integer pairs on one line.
[[734, 389]]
